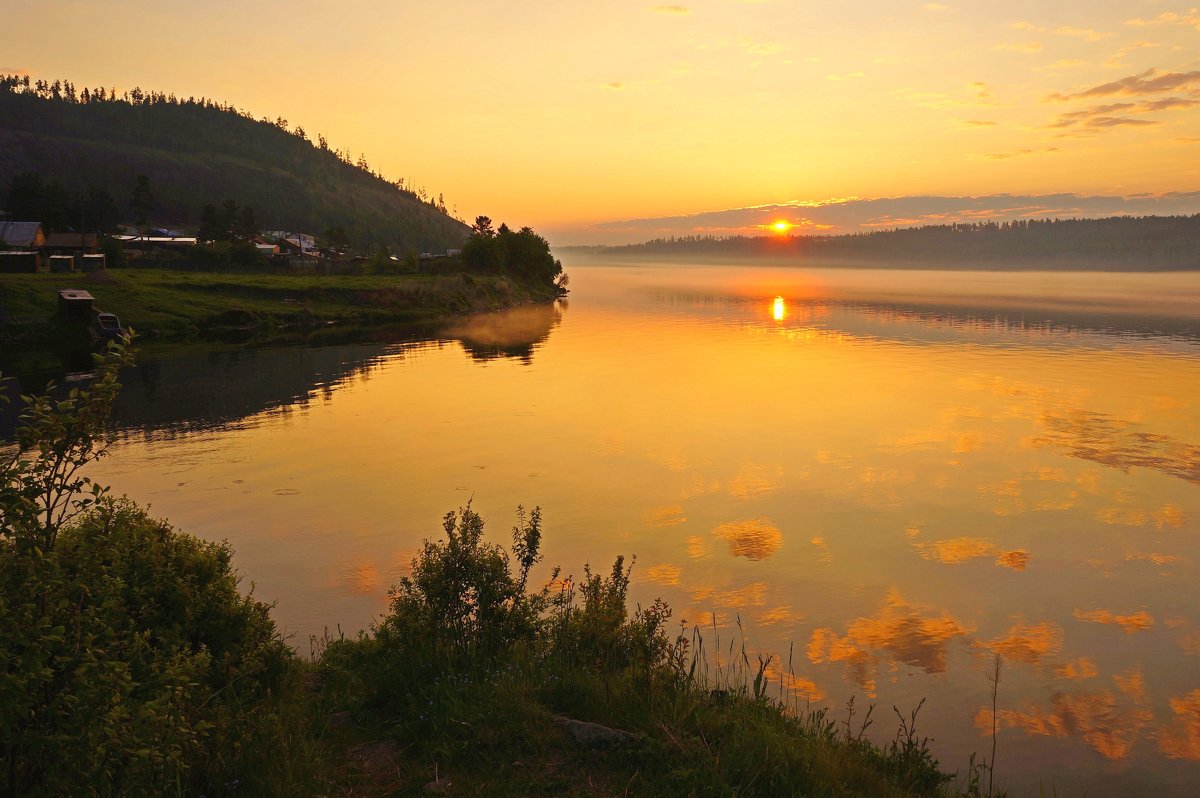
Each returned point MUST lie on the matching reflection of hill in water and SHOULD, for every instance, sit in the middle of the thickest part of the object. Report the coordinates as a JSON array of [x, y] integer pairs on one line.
[[205, 390], [200, 391]]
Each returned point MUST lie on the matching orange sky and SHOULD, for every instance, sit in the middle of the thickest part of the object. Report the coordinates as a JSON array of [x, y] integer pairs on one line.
[[564, 114]]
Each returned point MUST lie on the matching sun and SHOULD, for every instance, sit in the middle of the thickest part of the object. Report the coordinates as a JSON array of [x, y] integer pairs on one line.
[[781, 227]]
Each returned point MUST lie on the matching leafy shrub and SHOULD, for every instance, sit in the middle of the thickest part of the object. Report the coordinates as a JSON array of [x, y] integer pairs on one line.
[[130, 662]]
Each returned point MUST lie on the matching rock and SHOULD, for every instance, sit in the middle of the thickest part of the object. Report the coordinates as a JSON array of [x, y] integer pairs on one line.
[[441, 787], [377, 759], [593, 735], [340, 720]]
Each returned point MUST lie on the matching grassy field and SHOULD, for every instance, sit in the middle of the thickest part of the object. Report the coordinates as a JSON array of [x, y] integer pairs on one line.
[[176, 305]]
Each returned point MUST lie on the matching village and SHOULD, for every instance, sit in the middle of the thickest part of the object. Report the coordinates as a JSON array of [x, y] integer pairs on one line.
[[27, 248]]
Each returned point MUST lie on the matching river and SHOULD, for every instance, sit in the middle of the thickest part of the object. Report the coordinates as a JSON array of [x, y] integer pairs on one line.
[[892, 475]]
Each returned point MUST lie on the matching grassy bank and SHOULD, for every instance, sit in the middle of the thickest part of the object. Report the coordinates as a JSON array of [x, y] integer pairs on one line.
[[177, 305]]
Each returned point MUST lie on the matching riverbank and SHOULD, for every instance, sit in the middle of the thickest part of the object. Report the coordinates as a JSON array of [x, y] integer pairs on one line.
[[168, 305]]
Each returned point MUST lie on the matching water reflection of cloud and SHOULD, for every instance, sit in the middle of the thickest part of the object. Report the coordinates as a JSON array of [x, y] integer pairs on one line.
[[1118, 444], [800, 686], [909, 633], [1180, 738], [663, 574], [1029, 643], [754, 539], [697, 547], [755, 481], [1099, 718], [1078, 670], [961, 549], [1134, 622], [751, 595], [1167, 516], [668, 515], [782, 614]]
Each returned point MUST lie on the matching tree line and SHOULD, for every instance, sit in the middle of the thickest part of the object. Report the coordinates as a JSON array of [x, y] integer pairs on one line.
[[64, 91], [1143, 241]]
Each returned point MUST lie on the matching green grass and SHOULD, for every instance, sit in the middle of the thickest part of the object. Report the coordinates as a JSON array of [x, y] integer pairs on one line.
[[176, 305]]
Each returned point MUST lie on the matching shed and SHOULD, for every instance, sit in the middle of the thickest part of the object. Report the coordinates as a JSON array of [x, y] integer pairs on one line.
[[23, 235], [75, 304], [69, 243], [16, 261]]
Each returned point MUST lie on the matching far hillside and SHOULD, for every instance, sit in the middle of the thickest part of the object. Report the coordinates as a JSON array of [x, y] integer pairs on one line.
[[1118, 243], [196, 152]]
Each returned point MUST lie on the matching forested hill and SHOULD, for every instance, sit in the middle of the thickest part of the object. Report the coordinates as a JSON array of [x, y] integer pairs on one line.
[[196, 152], [1117, 243]]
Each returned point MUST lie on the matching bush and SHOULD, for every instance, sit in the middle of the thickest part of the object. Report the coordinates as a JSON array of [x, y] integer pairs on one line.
[[131, 664]]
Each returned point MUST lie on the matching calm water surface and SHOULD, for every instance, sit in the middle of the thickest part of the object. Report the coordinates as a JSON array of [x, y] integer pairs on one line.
[[891, 474]]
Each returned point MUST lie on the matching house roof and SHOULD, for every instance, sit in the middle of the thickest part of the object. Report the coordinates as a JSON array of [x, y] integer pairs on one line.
[[68, 240], [19, 234]]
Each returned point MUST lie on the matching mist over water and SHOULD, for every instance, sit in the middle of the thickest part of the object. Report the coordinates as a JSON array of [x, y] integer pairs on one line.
[[890, 474]]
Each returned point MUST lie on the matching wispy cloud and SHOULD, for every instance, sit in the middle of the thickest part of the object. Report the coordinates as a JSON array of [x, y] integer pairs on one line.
[[1020, 47], [758, 48], [1117, 59], [845, 76], [935, 7], [1027, 25], [1190, 18], [679, 10], [1021, 153], [1082, 33], [1149, 82], [615, 85], [1103, 116]]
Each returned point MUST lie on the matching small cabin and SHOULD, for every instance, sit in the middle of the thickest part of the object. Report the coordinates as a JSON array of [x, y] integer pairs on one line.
[[75, 305], [93, 263], [21, 262]]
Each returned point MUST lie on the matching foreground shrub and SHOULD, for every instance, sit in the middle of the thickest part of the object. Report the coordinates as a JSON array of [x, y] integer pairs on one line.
[[130, 663]]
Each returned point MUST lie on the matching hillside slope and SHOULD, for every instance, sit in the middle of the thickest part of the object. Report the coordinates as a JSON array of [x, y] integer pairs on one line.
[[196, 152]]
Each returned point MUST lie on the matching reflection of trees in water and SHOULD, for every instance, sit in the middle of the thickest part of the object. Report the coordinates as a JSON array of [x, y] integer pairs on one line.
[[213, 389], [515, 333]]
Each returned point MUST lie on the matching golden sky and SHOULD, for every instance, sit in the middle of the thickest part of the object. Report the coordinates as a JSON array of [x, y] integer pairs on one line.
[[566, 114]]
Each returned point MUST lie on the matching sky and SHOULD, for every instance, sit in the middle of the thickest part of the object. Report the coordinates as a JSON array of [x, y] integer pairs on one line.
[[606, 122]]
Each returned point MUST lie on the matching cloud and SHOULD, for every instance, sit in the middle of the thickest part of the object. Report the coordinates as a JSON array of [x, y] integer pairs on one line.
[[1020, 47], [1149, 82], [758, 48], [978, 123], [935, 7], [678, 10], [1027, 25], [845, 76], [1021, 153], [1117, 59], [1190, 18], [616, 85], [1082, 33]]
